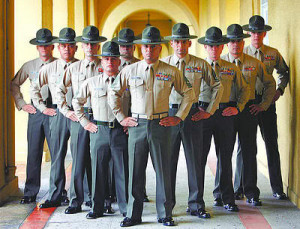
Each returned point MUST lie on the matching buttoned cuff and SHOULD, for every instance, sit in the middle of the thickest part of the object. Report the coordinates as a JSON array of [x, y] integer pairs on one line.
[[84, 121], [20, 104], [120, 116], [42, 107], [264, 106]]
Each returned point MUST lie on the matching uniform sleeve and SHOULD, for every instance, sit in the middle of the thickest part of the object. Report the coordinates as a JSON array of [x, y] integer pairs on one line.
[[36, 89], [115, 95], [62, 91], [78, 102], [269, 86], [283, 72], [15, 87], [243, 90], [185, 89], [216, 89]]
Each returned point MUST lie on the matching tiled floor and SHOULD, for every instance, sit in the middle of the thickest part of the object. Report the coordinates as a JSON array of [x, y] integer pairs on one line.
[[273, 213]]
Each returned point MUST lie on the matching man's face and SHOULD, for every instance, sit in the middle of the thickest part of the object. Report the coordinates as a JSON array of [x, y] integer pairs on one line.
[[67, 51], [214, 51], [127, 50], [181, 47], [257, 39], [110, 64], [236, 47], [151, 53], [90, 49], [45, 51]]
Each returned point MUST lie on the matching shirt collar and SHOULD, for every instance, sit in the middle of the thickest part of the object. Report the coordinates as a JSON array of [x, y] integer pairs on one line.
[[106, 77], [232, 59], [63, 63], [41, 62], [186, 59], [87, 62], [154, 65], [253, 49]]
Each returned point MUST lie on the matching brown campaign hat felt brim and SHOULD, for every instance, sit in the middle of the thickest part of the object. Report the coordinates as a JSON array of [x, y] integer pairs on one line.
[[180, 38], [115, 39], [146, 42], [204, 41], [34, 41], [60, 41], [98, 40], [249, 29]]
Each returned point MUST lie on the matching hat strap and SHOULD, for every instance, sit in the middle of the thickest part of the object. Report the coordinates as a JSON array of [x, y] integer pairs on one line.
[[125, 41], [87, 39], [64, 39], [181, 36], [212, 41]]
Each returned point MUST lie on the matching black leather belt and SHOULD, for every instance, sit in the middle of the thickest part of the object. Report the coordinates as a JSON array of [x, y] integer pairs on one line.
[[88, 110], [111, 125], [225, 105], [54, 106], [176, 106]]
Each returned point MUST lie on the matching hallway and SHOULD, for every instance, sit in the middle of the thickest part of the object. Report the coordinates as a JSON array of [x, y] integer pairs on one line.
[[273, 213]]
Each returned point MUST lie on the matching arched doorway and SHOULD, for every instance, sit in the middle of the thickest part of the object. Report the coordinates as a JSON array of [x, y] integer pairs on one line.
[[175, 10]]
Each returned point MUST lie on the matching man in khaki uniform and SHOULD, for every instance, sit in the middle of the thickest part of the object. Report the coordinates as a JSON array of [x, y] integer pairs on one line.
[[188, 131], [107, 137], [38, 123], [246, 121], [267, 119], [221, 124], [74, 76], [150, 82], [125, 40], [52, 75]]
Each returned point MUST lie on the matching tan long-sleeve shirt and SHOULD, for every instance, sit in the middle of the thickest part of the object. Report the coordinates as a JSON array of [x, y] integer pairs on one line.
[[51, 75], [29, 70], [134, 77], [235, 86], [196, 70], [272, 59], [73, 77], [253, 70], [97, 88]]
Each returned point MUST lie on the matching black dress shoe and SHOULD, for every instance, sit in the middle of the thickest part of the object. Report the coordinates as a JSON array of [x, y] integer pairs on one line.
[[146, 199], [218, 202], [64, 198], [124, 214], [231, 207], [168, 221], [72, 210], [27, 199], [50, 204], [88, 203], [93, 215], [128, 222], [109, 210], [201, 213], [238, 196], [280, 196], [254, 201]]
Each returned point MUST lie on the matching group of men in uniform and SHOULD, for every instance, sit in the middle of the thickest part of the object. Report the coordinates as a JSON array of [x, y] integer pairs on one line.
[[118, 109]]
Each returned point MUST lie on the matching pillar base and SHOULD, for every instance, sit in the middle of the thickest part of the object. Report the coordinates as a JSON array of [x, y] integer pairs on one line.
[[9, 189]]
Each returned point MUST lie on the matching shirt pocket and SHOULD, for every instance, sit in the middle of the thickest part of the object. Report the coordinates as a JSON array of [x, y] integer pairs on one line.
[[136, 87], [33, 76], [77, 80]]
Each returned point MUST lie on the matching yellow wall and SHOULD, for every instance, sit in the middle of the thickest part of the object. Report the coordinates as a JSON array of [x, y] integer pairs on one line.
[[285, 36]]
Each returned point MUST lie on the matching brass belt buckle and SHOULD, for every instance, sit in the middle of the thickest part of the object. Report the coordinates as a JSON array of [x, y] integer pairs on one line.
[[111, 125]]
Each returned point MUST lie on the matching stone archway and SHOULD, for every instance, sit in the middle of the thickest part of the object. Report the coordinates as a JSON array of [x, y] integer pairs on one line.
[[175, 9]]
